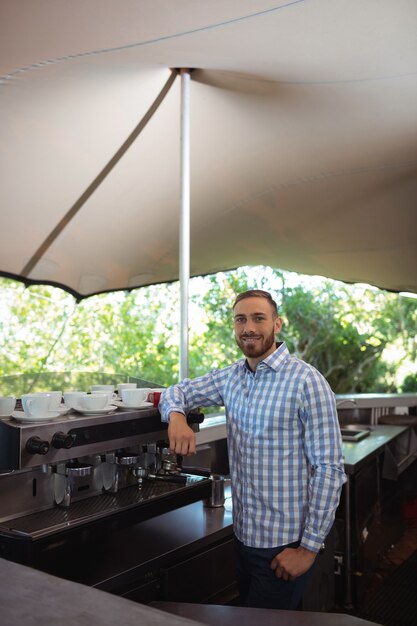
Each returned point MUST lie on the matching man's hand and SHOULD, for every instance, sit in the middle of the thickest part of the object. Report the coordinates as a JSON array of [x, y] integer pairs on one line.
[[181, 436], [292, 562]]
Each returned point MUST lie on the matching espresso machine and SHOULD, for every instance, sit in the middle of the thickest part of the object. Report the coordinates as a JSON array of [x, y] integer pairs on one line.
[[68, 485]]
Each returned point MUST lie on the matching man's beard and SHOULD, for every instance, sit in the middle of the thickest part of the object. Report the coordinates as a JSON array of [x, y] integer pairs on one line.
[[258, 348]]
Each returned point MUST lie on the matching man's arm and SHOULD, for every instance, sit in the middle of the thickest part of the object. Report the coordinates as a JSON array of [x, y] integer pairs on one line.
[[181, 436], [178, 400], [323, 448]]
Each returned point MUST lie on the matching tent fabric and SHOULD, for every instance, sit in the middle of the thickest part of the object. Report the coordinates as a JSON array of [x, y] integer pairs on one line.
[[303, 139]]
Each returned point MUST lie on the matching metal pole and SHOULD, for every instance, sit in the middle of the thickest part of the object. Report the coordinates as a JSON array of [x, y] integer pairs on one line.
[[348, 604], [184, 262]]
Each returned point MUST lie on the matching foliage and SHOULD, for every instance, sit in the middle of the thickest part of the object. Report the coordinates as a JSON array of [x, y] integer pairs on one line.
[[342, 330], [42, 330], [410, 383], [319, 330], [359, 338]]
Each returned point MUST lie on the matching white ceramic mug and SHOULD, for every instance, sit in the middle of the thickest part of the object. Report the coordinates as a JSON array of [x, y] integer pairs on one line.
[[122, 386], [55, 398], [35, 404], [7, 405], [103, 388], [109, 394], [27, 396], [93, 402], [135, 397], [71, 398]]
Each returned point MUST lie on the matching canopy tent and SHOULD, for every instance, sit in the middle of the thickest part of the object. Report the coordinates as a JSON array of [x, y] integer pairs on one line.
[[303, 139]]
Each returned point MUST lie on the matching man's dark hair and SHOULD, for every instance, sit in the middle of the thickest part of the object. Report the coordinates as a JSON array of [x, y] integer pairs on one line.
[[258, 293]]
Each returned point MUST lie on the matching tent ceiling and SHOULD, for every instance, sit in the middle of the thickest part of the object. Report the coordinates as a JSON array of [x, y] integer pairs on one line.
[[303, 138]]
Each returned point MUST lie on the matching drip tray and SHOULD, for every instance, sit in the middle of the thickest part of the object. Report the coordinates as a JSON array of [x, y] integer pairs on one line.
[[151, 496], [354, 433]]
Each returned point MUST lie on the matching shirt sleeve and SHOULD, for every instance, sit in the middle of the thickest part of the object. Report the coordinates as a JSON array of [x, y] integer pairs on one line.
[[192, 393], [323, 446]]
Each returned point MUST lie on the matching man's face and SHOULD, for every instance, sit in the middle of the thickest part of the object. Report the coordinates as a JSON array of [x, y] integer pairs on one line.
[[255, 327]]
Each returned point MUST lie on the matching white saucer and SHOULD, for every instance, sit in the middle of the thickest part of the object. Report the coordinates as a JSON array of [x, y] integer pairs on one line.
[[63, 409], [107, 409], [20, 416], [122, 405]]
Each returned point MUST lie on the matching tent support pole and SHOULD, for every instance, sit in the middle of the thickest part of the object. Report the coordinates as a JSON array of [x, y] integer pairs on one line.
[[184, 261]]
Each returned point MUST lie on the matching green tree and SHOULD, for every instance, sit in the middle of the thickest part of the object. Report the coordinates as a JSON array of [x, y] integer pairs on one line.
[[342, 330], [318, 327], [349, 333]]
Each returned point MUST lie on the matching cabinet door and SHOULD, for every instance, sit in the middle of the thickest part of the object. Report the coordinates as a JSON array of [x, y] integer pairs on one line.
[[145, 593], [207, 576]]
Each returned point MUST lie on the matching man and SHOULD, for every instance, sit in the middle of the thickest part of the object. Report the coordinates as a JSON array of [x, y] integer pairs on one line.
[[285, 453]]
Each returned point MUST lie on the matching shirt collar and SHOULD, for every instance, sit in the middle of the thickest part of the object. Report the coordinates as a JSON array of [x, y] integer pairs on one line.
[[275, 359]]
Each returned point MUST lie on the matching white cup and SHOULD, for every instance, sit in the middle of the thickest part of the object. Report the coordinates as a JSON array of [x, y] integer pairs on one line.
[[122, 386], [134, 397], [71, 398], [55, 398], [109, 394], [7, 405], [103, 388], [93, 402], [36, 404], [27, 396]]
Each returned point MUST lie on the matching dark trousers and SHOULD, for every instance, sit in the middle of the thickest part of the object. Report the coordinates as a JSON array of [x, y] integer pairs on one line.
[[257, 583]]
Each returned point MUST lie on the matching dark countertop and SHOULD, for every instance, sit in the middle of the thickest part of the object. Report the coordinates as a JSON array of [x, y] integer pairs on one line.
[[29, 598], [158, 542], [195, 526], [357, 453], [213, 615]]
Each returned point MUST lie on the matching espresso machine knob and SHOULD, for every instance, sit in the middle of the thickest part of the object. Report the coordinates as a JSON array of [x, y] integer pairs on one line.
[[35, 445], [62, 440]]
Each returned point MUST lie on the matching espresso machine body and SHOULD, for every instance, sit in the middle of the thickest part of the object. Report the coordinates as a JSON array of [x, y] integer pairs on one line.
[[70, 486]]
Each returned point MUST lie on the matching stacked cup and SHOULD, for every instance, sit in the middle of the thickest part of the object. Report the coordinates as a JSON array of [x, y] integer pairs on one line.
[[37, 405], [106, 389], [7, 405], [133, 398], [41, 402], [81, 401], [122, 386]]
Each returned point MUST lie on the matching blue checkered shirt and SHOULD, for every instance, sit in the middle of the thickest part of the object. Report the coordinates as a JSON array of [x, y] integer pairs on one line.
[[284, 442]]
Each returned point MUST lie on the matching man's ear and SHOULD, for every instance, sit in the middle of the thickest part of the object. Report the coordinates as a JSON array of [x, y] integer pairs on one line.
[[278, 325]]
